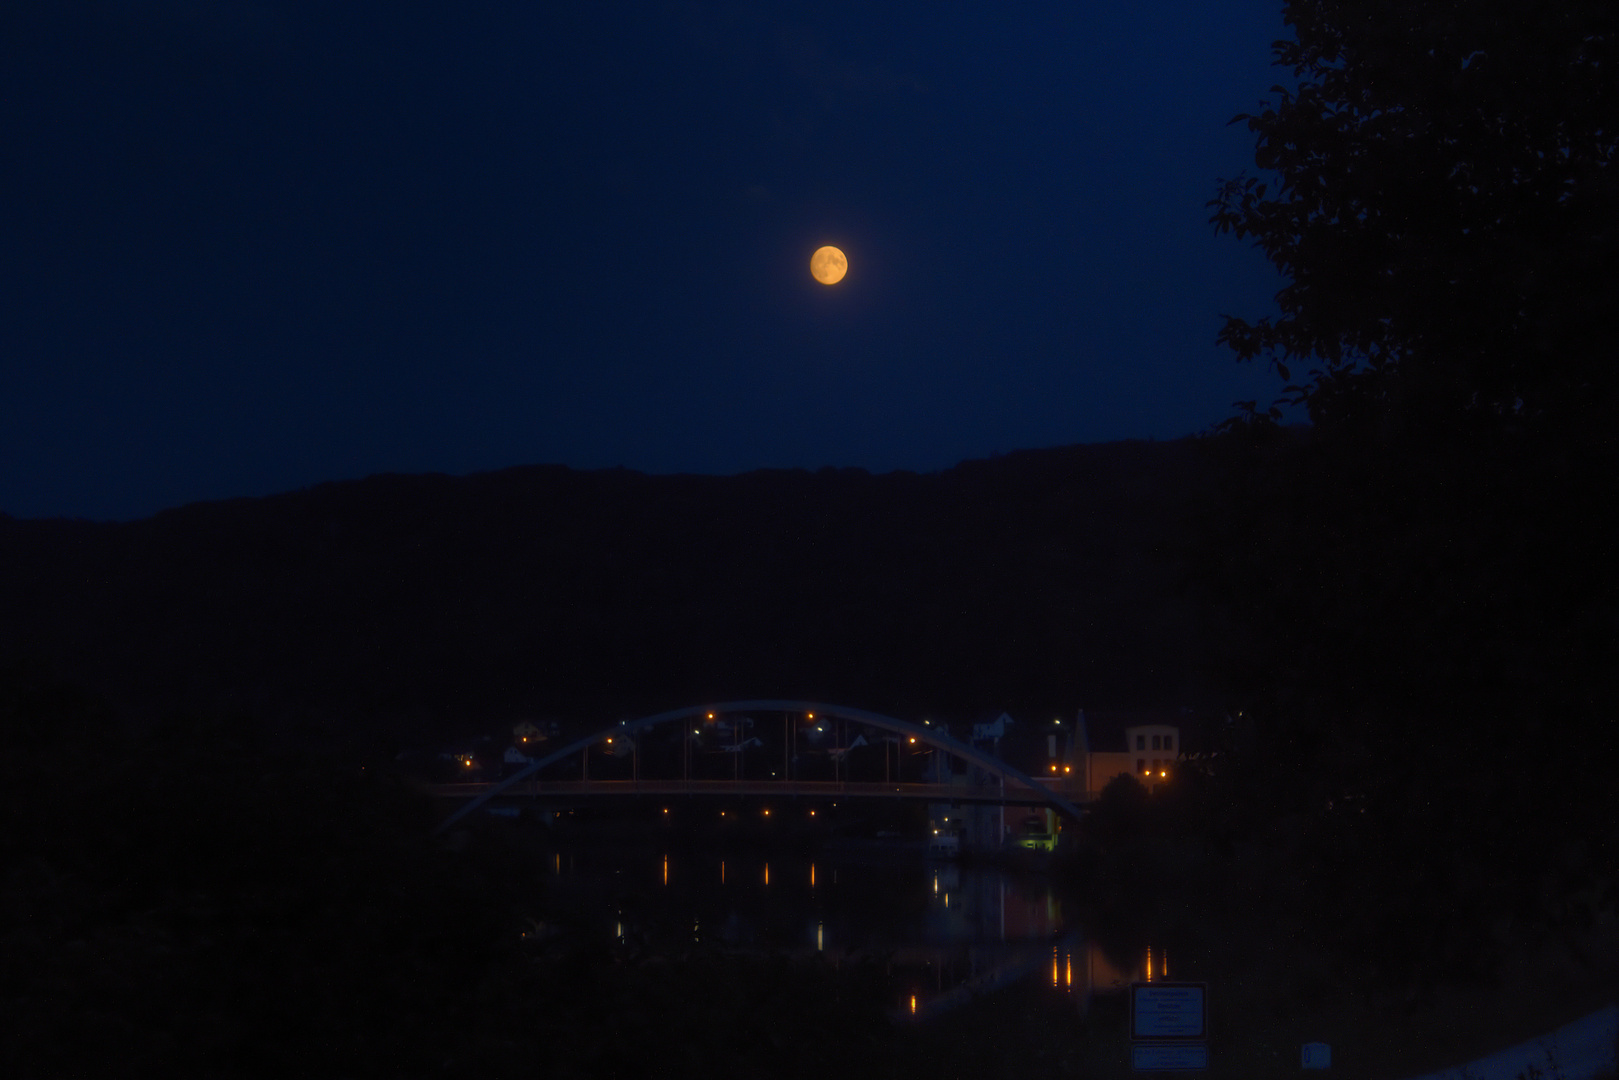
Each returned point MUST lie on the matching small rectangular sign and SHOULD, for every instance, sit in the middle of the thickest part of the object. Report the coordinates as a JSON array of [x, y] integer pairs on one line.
[[1317, 1055], [1168, 1011], [1168, 1056]]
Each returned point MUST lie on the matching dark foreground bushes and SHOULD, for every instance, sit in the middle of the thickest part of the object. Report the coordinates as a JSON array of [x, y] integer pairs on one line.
[[184, 901]]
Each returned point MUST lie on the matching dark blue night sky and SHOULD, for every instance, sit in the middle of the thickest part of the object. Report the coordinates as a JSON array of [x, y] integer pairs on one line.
[[252, 245]]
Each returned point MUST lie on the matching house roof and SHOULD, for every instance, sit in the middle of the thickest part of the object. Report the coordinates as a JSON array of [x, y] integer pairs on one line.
[[1105, 728]]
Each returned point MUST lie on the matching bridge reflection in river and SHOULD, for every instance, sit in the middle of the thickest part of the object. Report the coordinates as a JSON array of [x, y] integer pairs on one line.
[[945, 931]]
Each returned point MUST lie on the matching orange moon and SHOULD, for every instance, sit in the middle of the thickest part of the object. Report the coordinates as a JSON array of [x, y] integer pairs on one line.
[[828, 265]]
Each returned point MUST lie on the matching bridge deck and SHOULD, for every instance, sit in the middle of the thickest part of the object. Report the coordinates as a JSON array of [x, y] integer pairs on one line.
[[769, 788]]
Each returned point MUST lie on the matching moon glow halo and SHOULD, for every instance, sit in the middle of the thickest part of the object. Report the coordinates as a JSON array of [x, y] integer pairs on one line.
[[828, 265]]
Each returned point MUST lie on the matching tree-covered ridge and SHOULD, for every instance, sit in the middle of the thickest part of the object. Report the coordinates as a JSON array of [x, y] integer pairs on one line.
[[414, 604]]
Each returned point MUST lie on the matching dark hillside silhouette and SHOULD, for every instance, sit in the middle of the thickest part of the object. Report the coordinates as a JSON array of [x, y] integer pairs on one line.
[[405, 606]]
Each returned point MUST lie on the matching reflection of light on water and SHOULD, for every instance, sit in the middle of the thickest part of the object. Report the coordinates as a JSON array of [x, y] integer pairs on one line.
[[980, 935], [1149, 963], [913, 1004]]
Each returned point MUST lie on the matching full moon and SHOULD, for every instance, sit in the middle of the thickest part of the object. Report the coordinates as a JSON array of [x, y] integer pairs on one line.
[[828, 265]]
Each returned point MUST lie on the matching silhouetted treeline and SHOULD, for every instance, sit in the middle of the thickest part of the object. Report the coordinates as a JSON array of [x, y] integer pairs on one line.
[[407, 606], [1418, 605]]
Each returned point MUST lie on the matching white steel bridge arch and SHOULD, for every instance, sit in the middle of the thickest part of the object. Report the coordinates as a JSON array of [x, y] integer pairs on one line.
[[930, 735]]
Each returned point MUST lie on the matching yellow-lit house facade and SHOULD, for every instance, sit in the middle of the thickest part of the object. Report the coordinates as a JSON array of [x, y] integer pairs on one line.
[[1142, 744]]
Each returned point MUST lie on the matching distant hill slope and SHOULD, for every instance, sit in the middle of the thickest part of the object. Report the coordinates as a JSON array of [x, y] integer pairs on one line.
[[414, 604]]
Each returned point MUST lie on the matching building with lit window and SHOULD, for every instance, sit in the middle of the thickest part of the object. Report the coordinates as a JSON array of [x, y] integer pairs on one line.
[[1145, 745]]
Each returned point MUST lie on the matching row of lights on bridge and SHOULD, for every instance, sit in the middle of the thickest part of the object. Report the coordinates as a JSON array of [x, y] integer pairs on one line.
[[765, 812]]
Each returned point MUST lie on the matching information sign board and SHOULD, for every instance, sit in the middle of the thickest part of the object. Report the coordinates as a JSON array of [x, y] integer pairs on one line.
[[1163, 1010], [1168, 1056]]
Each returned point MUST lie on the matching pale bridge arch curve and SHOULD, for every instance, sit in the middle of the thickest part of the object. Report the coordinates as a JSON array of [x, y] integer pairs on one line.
[[923, 733]]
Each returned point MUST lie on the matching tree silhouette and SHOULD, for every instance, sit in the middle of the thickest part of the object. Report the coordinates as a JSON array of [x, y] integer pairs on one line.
[[1444, 209], [1417, 597]]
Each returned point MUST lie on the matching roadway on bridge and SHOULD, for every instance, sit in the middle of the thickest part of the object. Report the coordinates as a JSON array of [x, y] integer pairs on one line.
[[953, 793]]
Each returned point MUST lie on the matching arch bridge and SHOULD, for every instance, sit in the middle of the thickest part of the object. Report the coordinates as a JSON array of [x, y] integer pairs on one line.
[[1012, 787]]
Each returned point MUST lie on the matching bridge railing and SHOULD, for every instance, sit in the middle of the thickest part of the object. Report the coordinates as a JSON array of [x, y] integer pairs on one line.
[[787, 788]]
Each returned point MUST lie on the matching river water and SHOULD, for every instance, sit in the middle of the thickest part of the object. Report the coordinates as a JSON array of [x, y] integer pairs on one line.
[[946, 930]]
